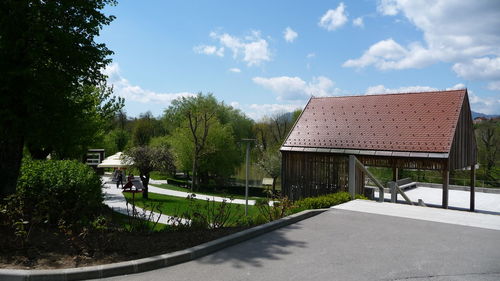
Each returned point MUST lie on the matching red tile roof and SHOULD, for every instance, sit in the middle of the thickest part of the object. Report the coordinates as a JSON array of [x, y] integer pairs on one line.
[[416, 122]]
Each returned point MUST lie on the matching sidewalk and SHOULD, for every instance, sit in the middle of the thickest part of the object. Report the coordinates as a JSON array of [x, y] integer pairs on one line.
[[113, 197], [176, 193]]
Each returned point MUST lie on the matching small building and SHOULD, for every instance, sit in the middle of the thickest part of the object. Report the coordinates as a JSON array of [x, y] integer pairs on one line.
[[480, 119], [94, 157], [426, 130]]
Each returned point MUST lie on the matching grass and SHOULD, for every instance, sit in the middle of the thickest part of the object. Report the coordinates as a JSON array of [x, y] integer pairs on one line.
[[173, 206], [124, 221], [178, 188]]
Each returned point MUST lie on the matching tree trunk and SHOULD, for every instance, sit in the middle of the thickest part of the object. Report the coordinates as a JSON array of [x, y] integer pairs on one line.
[[11, 155], [274, 187], [145, 183], [193, 178]]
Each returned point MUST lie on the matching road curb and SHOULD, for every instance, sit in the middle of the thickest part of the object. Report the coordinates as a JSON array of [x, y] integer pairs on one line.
[[155, 262]]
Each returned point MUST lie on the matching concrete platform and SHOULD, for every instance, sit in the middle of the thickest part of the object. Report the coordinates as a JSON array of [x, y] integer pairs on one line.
[[423, 213], [485, 202]]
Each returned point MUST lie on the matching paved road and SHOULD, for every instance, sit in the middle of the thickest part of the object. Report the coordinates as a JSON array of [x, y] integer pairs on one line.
[[350, 245]]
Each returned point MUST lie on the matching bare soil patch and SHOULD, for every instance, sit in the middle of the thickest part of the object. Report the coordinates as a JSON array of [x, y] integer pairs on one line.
[[50, 249]]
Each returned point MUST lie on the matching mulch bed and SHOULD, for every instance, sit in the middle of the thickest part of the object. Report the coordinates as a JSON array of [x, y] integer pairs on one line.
[[50, 249]]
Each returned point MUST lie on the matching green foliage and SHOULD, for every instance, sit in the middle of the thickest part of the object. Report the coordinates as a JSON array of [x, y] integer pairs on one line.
[[488, 140], [115, 141], [143, 220], [207, 215], [204, 136], [145, 128], [49, 60], [53, 192], [269, 211], [361, 196], [325, 201], [270, 163]]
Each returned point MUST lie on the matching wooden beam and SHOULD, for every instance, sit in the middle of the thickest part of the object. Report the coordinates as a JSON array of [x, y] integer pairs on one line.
[[395, 173], [352, 175], [472, 187], [446, 180]]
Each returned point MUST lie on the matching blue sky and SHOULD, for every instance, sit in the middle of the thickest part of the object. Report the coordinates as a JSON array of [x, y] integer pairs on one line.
[[266, 57]]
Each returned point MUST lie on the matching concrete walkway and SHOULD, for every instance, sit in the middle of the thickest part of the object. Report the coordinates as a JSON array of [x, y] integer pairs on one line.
[[184, 194], [342, 244], [113, 197], [423, 213], [485, 202]]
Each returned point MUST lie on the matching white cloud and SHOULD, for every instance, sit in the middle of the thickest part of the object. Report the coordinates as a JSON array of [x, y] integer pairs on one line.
[[494, 86], [388, 7], [478, 104], [486, 105], [290, 35], [123, 88], [235, 70], [209, 50], [295, 89], [358, 22], [381, 89], [479, 69], [252, 49], [334, 19], [464, 33], [235, 104], [388, 54], [311, 55], [258, 111]]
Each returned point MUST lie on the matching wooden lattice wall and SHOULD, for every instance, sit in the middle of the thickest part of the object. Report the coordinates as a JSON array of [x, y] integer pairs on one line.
[[313, 174]]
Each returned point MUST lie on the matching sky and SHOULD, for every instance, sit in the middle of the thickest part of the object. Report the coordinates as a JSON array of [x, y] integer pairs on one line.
[[269, 57]]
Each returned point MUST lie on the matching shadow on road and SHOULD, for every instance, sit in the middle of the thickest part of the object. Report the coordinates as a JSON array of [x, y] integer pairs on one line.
[[255, 252]]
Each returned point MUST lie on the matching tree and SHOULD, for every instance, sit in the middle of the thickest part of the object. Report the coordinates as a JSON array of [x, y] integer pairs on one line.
[[199, 115], [280, 124], [47, 53], [147, 159], [270, 163], [86, 118], [204, 133], [489, 135]]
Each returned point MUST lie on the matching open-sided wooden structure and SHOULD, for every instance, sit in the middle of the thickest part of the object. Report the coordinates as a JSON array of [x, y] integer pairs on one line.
[[427, 130]]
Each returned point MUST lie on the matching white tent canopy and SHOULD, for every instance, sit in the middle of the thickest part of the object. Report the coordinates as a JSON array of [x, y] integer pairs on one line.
[[118, 160]]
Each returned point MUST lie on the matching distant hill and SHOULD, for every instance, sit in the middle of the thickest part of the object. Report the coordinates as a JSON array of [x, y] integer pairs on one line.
[[477, 114]]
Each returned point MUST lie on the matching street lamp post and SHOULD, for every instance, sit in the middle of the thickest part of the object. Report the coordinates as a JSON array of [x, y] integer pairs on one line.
[[248, 141]]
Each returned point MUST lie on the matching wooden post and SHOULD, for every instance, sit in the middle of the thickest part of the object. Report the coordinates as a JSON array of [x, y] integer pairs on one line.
[[352, 175], [446, 180], [395, 173], [472, 187], [394, 194]]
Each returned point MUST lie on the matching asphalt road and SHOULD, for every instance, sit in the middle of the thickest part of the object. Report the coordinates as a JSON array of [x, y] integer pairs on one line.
[[349, 245]]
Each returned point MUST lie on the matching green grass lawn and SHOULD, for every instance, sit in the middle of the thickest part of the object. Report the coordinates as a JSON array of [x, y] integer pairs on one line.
[[178, 188], [172, 206], [124, 221]]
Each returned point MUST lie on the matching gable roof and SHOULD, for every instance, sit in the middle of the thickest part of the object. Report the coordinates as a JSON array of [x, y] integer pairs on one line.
[[410, 122]]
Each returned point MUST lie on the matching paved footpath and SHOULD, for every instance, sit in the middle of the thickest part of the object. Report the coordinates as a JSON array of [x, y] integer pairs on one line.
[[343, 244], [184, 194], [113, 197]]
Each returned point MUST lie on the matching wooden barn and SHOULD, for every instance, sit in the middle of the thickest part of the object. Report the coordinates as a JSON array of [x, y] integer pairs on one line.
[[427, 130]]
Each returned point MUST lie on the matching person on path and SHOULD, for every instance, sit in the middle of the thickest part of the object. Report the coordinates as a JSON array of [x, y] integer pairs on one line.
[[129, 183], [119, 179]]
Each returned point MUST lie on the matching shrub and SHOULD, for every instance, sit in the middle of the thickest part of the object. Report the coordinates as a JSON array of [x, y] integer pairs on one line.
[[324, 201], [272, 211], [57, 192]]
